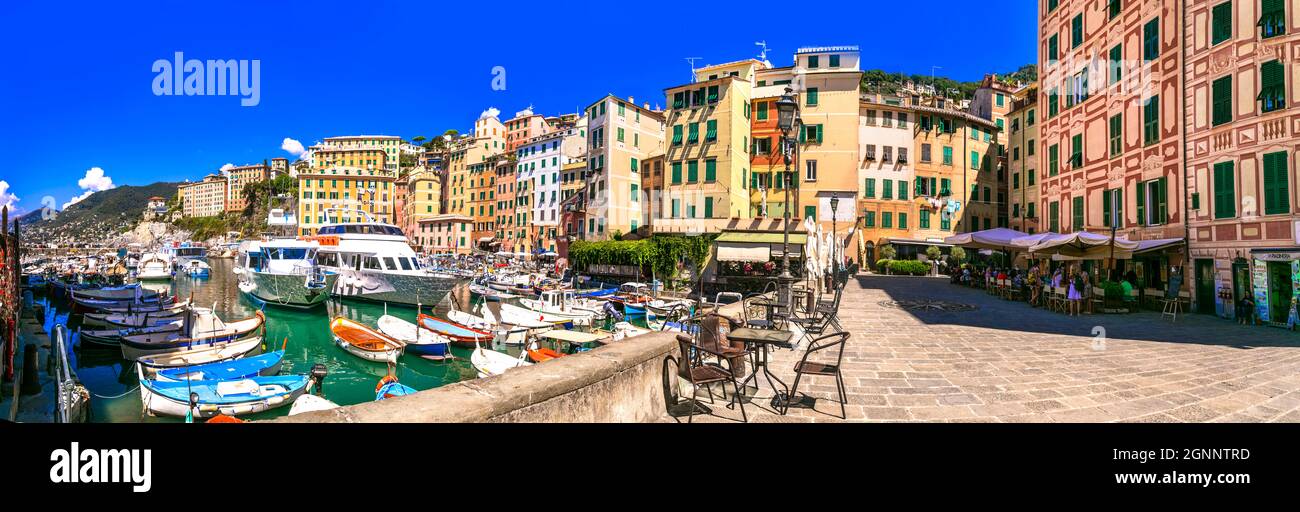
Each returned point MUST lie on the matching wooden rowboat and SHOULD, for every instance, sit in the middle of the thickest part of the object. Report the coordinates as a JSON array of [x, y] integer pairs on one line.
[[364, 342], [457, 333]]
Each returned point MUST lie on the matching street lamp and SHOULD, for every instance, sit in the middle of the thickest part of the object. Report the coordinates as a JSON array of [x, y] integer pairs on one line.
[[787, 110], [835, 239]]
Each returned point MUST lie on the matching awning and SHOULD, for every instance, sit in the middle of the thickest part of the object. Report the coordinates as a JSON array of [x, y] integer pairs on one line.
[[1083, 245], [754, 237], [486, 239], [1157, 245], [744, 252], [996, 238]]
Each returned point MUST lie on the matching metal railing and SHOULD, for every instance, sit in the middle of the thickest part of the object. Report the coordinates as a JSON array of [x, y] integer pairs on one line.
[[70, 389]]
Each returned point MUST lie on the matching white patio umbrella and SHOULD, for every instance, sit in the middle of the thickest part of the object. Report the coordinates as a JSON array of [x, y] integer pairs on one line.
[[1083, 245]]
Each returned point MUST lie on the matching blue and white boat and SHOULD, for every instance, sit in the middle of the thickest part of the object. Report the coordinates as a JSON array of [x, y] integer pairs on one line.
[[419, 342], [260, 365], [389, 387], [234, 397]]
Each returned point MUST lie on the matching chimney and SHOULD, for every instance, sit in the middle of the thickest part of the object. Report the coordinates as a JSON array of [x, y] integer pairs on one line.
[[631, 100], [646, 105]]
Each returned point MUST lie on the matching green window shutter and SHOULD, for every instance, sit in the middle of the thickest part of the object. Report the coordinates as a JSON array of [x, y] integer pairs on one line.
[[1222, 92], [1272, 91], [887, 189], [1078, 214], [634, 168], [947, 155], [1272, 20], [710, 170], [1076, 151], [871, 188], [887, 220], [677, 134], [1162, 201], [1053, 159], [1054, 216], [762, 111], [902, 190], [820, 133], [1116, 63], [1076, 31], [1105, 208], [708, 207], [946, 188], [1151, 40], [1116, 135], [869, 220], [811, 97], [692, 171], [1277, 191], [1053, 49], [694, 134], [810, 212], [803, 133], [925, 218], [677, 173], [711, 131], [1221, 26], [902, 220], [1151, 120], [713, 94], [677, 208], [1225, 204]]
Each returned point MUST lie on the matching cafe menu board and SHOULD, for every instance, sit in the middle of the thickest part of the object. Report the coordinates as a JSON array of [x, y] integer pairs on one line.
[[1259, 277]]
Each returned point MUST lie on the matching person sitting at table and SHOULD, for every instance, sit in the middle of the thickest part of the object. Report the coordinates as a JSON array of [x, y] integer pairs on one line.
[[1129, 299]]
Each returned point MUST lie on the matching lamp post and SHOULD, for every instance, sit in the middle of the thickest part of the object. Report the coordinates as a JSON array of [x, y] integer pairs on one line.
[[787, 112], [835, 240]]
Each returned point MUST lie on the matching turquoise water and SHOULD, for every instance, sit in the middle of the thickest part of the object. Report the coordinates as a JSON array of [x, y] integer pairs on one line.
[[351, 380]]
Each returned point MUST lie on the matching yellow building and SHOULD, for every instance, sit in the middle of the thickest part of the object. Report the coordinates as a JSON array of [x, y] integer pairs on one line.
[[388, 146], [1022, 139], [621, 134], [237, 178], [955, 182], [346, 190], [829, 79], [419, 197], [707, 155], [205, 198]]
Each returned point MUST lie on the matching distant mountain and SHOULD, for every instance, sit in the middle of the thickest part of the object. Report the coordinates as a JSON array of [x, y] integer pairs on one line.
[[97, 217]]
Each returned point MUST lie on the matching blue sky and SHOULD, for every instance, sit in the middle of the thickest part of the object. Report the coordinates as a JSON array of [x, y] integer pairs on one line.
[[77, 92]]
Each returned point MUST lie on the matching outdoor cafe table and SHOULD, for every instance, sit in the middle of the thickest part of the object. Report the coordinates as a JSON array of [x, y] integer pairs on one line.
[[761, 339]]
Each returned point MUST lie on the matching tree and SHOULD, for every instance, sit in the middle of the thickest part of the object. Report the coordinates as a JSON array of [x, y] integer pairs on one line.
[[933, 252], [418, 139], [958, 254], [888, 252]]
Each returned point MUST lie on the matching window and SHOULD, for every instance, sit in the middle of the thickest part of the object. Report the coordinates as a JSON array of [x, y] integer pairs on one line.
[[1116, 63], [713, 94], [887, 154], [708, 207], [1152, 202], [812, 61], [835, 61], [902, 190], [1076, 151], [1112, 207], [1054, 217], [636, 195], [974, 159], [869, 220], [810, 173], [810, 212], [1151, 40], [1015, 181], [1078, 216], [1272, 20], [1053, 103], [870, 185], [947, 155], [1225, 194], [1277, 197], [902, 220], [762, 111], [925, 218], [620, 137], [711, 131], [886, 220], [1076, 31], [1053, 48], [1116, 135], [692, 171], [1053, 159], [1151, 120], [710, 170], [1030, 122], [1113, 7], [677, 173], [1221, 24], [810, 98], [1272, 91], [694, 135], [677, 135], [1222, 91], [925, 152], [811, 133], [887, 189]]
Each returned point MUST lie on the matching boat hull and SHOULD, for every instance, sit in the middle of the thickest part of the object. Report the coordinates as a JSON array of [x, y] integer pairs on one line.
[[286, 290], [394, 288], [273, 392]]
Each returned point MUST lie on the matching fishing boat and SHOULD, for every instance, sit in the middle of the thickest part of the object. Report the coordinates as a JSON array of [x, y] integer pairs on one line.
[[663, 307], [112, 338], [154, 266], [457, 333], [388, 387], [201, 354], [158, 307], [131, 320], [310, 403], [559, 303], [625, 330], [230, 397], [364, 342], [538, 353], [491, 362], [283, 272], [242, 368], [197, 268], [419, 342], [490, 294], [517, 315], [632, 297], [182, 254], [202, 329], [374, 261]]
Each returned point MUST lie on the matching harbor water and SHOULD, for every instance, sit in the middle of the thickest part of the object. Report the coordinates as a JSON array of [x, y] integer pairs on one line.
[[351, 380]]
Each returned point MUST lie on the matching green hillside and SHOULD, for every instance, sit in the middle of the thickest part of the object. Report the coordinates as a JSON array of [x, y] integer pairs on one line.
[[94, 218]]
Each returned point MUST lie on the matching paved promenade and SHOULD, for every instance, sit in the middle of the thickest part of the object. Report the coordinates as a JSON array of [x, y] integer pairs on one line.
[[1007, 362]]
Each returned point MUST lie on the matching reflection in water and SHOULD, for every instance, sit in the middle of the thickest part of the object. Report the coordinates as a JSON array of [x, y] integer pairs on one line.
[[350, 380]]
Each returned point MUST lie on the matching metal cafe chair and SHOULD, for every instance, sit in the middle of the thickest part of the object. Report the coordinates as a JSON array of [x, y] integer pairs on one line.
[[701, 372], [823, 368]]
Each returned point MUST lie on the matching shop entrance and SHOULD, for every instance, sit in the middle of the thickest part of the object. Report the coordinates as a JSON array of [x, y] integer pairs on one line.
[[1279, 290], [1205, 287]]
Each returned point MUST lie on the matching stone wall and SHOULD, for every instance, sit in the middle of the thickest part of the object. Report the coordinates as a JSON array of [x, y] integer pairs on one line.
[[621, 382]]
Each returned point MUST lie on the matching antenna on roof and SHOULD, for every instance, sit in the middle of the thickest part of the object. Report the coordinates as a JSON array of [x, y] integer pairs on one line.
[[762, 55], [692, 61]]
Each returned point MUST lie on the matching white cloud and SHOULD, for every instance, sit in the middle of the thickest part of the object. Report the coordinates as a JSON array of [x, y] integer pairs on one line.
[[293, 147], [490, 112], [227, 167], [8, 199], [94, 181]]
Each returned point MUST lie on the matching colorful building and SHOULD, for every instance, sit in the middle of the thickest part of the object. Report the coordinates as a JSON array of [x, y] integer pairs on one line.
[[1022, 139], [237, 178], [445, 234], [887, 178], [540, 164], [620, 135], [419, 197], [1240, 155], [205, 198]]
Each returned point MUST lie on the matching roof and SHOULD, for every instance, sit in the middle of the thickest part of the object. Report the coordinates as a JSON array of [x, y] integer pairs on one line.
[[752, 237], [823, 49], [969, 117]]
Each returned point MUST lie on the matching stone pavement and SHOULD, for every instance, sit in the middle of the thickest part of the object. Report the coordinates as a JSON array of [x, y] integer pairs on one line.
[[1007, 362]]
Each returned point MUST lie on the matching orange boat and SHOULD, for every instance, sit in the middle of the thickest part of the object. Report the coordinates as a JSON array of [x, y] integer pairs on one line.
[[364, 342], [539, 354]]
